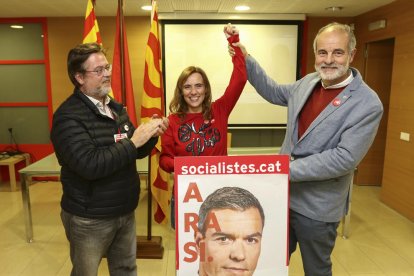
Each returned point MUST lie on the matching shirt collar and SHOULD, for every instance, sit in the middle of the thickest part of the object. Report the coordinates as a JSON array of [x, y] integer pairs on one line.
[[97, 102], [344, 83]]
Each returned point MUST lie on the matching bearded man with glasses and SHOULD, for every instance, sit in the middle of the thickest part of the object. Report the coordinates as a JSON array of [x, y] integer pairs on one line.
[[97, 146]]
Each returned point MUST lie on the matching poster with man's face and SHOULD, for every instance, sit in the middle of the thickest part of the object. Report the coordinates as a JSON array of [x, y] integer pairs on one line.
[[232, 215]]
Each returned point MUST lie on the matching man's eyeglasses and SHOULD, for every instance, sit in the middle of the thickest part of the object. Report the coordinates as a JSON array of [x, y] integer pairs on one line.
[[100, 70]]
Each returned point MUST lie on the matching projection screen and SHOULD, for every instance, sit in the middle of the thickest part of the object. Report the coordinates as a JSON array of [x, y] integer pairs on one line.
[[274, 46]]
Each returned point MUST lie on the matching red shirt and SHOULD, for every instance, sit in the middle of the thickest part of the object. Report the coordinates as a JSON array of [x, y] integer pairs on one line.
[[316, 102], [192, 135]]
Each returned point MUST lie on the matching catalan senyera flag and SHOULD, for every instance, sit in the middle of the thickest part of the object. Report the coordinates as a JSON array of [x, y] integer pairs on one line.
[[116, 81], [153, 103], [91, 29]]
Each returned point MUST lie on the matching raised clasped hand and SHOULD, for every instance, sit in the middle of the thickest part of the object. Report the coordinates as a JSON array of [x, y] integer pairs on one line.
[[230, 30]]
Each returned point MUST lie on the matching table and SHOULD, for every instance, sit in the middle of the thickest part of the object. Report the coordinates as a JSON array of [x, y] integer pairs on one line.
[[49, 166], [10, 162], [252, 150]]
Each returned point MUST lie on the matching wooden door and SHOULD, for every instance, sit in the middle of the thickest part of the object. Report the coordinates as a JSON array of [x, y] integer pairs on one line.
[[377, 74]]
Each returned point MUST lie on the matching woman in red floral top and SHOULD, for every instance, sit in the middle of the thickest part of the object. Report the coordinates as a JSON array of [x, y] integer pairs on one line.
[[198, 126]]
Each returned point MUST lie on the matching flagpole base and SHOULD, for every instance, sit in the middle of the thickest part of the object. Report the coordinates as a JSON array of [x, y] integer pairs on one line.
[[149, 248]]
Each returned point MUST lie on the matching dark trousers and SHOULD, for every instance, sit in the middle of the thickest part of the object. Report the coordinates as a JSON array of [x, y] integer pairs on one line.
[[172, 214], [316, 241]]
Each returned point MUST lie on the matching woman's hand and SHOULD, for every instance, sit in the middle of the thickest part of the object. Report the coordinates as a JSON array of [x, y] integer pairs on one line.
[[230, 30]]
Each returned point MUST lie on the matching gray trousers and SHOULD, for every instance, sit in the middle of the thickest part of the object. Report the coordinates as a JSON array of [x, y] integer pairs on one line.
[[316, 241], [92, 239]]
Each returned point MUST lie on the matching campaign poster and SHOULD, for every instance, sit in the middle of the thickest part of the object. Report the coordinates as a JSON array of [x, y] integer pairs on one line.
[[232, 215]]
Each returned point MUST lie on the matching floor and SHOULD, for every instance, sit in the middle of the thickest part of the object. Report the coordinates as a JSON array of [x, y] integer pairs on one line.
[[381, 241]]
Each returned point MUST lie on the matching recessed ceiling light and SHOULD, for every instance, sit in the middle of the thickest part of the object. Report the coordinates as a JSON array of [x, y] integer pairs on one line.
[[16, 26], [146, 8], [242, 8], [334, 8]]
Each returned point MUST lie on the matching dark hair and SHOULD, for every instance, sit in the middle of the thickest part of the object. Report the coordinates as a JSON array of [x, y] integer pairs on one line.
[[234, 198], [179, 106], [77, 57]]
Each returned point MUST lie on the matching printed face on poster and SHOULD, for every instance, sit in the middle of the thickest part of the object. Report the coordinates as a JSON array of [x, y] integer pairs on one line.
[[232, 215]]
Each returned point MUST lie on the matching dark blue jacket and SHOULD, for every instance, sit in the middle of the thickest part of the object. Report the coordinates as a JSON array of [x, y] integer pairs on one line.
[[99, 177]]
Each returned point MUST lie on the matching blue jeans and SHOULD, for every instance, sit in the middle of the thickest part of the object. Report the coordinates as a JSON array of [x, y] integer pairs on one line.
[[92, 239], [316, 242]]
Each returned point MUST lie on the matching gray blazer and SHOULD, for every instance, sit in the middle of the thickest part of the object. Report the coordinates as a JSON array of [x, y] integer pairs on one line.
[[324, 158]]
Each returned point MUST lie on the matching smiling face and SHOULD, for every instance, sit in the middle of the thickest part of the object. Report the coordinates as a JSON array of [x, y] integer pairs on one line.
[[332, 56], [92, 84], [232, 246], [194, 92]]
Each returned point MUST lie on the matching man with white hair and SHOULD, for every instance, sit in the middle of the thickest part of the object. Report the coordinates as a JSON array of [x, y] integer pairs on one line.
[[333, 117]]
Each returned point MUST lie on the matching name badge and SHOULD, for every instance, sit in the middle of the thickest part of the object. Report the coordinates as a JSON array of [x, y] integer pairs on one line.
[[120, 136]]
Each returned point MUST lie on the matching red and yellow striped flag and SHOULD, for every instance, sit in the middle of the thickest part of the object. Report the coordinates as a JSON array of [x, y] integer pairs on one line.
[[91, 30], [153, 103]]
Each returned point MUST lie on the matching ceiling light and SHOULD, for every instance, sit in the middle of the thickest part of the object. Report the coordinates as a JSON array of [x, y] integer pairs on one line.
[[242, 8], [16, 26], [334, 8], [146, 8]]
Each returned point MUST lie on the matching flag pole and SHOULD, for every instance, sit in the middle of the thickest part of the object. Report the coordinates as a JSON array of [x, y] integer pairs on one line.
[[149, 247], [149, 211], [121, 49]]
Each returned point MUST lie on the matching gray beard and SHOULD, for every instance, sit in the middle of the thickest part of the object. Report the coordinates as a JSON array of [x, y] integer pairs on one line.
[[339, 72]]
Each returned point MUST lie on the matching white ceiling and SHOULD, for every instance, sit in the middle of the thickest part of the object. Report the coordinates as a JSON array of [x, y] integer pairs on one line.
[[60, 8]]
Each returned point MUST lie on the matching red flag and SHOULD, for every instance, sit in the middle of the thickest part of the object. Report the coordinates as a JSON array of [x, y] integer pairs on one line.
[[153, 103], [121, 70]]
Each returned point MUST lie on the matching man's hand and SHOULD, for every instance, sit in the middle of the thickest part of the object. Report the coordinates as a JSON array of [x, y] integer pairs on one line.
[[145, 131], [162, 126], [232, 52]]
